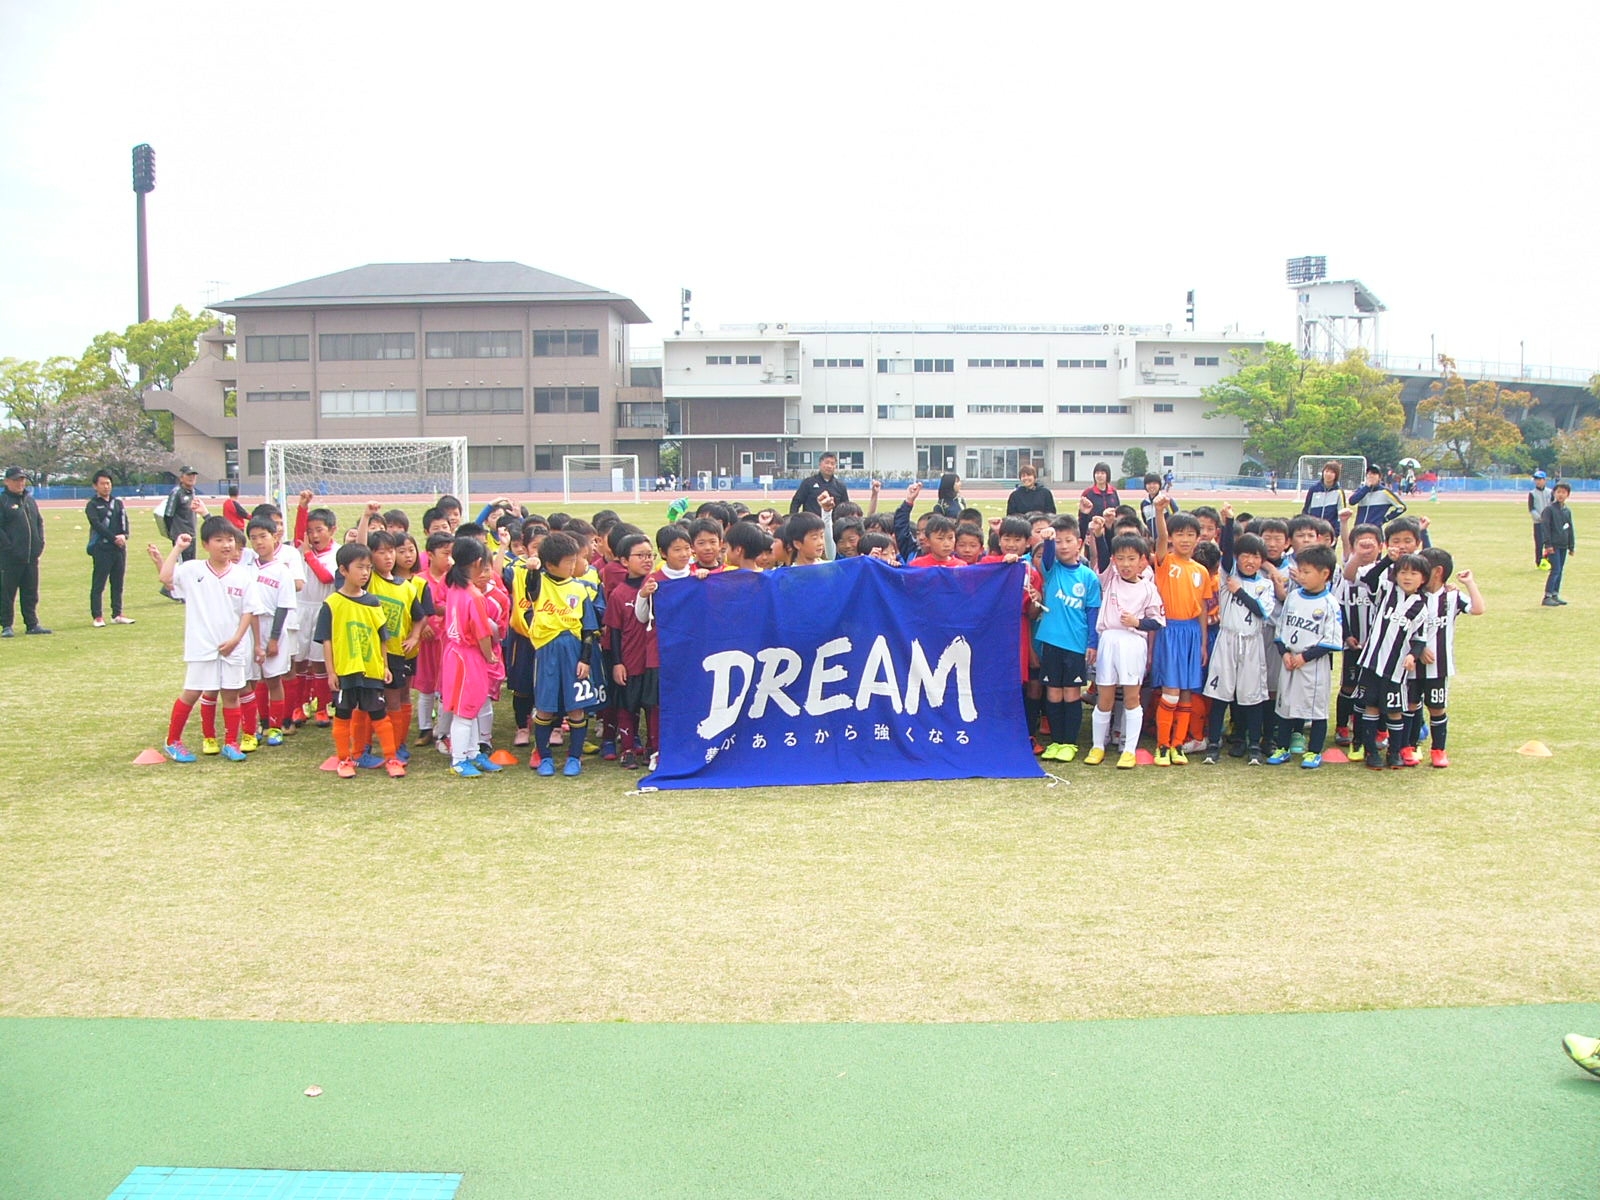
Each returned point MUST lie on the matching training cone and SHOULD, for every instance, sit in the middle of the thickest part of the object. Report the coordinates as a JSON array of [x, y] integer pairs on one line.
[[1535, 750], [504, 758], [331, 763], [1335, 755], [1143, 757], [149, 758]]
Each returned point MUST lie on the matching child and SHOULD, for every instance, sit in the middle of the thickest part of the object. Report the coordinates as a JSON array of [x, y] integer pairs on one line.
[[1179, 663], [405, 606], [969, 543], [467, 656], [803, 537], [1392, 650], [1237, 672], [879, 545], [1308, 634], [314, 535], [748, 543], [1438, 660], [216, 626], [430, 649], [1355, 616], [941, 537], [705, 540], [633, 653], [1153, 492], [274, 601], [1070, 607], [518, 650], [1560, 541], [350, 627], [563, 631], [1130, 608]]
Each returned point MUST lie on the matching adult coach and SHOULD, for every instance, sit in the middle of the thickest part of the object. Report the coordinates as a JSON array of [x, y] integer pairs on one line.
[[21, 544], [183, 507], [805, 496], [108, 549], [1539, 500], [1029, 497]]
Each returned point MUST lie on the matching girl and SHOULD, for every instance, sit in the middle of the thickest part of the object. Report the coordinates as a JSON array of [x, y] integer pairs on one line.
[[406, 557], [468, 656], [1325, 498], [949, 502]]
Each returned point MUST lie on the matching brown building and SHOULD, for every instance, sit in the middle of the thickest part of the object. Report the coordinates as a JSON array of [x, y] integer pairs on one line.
[[526, 365]]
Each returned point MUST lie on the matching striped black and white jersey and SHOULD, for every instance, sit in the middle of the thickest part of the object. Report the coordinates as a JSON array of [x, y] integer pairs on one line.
[[1356, 599], [1439, 632], [1396, 632]]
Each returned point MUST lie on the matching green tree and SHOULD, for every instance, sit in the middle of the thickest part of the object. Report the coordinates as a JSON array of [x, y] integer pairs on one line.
[[1134, 462], [147, 355], [111, 429], [1578, 450], [34, 395], [1539, 439], [1291, 406], [1472, 426]]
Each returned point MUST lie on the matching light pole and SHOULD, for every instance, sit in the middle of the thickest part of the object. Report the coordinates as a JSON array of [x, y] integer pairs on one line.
[[144, 182]]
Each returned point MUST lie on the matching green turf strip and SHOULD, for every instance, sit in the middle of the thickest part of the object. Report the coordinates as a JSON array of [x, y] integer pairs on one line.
[[1441, 1102]]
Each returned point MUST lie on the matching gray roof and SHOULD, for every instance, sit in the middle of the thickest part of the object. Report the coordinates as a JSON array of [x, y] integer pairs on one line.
[[459, 281]]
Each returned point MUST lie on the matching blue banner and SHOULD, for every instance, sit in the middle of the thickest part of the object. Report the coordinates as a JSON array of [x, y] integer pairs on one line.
[[845, 672]]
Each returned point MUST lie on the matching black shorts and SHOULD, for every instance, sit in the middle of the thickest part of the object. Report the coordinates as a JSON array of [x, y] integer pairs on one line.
[[1061, 668], [1432, 692], [401, 669], [1350, 672], [365, 698], [641, 691], [1381, 693]]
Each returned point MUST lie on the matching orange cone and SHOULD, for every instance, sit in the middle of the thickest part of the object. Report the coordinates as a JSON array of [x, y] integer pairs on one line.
[[331, 763], [1143, 757], [504, 758], [1335, 755], [149, 758], [1535, 750]]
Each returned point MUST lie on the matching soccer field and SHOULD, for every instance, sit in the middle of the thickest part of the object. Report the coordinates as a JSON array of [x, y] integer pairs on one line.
[[269, 891]]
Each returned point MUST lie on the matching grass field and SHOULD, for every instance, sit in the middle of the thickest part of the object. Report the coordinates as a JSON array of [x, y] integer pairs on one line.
[[269, 891]]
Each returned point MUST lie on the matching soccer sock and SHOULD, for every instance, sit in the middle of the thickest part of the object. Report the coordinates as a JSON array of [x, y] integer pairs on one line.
[[1318, 737], [463, 738], [179, 718], [1370, 724], [1199, 717], [230, 725], [383, 729], [360, 732], [1214, 723], [425, 703], [1254, 716], [1132, 723], [486, 725], [208, 717], [521, 709], [1283, 732], [1438, 729], [1396, 723], [1055, 712], [627, 730], [341, 739], [1166, 714], [1180, 723], [247, 712], [319, 688], [400, 722], [1071, 722], [1032, 706], [1100, 725], [1414, 726], [652, 721], [577, 731], [541, 734], [1342, 708]]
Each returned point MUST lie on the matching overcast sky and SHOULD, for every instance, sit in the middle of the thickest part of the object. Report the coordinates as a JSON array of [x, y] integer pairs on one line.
[[1032, 163]]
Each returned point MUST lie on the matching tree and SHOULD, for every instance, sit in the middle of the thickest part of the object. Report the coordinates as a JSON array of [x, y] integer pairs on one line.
[[147, 355], [1471, 425], [1134, 462], [34, 396], [1578, 450], [111, 429], [1291, 406], [1539, 438]]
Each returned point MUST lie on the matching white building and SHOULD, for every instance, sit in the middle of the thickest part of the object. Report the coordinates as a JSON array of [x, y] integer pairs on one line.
[[901, 399]]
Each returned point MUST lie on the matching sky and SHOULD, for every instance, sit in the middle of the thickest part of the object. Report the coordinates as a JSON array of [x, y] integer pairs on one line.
[[1037, 163]]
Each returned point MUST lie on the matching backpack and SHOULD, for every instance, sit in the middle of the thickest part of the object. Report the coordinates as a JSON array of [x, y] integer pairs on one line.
[[163, 514]]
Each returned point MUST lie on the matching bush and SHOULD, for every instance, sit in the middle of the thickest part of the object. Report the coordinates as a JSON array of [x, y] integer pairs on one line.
[[1134, 462]]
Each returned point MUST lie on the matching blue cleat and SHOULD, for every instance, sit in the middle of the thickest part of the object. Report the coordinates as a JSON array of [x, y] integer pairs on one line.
[[546, 766], [574, 765], [178, 752], [1311, 762], [368, 760], [403, 754], [485, 767], [1277, 758], [466, 770], [232, 753]]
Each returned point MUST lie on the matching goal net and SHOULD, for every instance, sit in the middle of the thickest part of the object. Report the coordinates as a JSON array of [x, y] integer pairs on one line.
[[616, 473], [1352, 470], [367, 468]]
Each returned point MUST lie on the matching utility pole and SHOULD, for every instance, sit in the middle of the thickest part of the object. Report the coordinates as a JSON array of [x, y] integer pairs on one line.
[[144, 182]]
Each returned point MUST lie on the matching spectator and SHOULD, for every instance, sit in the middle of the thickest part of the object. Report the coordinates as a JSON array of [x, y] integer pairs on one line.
[[805, 496], [21, 544], [1029, 496], [108, 550]]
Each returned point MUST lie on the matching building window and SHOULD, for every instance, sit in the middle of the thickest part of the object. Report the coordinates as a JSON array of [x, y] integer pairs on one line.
[[747, 360], [933, 366], [568, 343], [1164, 360], [641, 416], [256, 462], [365, 347], [800, 458], [719, 360], [495, 458], [1005, 408], [894, 366], [1085, 364], [449, 401], [394, 402], [838, 408], [548, 457], [1163, 408], [498, 343], [935, 460], [1091, 408], [998, 462], [646, 377], [852, 460], [273, 397], [1206, 360], [282, 347], [1005, 362], [566, 400], [894, 412], [838, 362], [934, 412]]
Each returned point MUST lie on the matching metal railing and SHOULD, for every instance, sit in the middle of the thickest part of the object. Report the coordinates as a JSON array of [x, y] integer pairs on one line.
[[1482, 368]]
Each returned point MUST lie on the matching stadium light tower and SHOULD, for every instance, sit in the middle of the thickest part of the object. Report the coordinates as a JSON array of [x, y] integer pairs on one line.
[[144, 182]]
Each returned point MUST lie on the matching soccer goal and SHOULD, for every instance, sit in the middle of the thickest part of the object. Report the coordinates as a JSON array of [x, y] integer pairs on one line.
[[599, 473], [367, 468], [1352, 470]]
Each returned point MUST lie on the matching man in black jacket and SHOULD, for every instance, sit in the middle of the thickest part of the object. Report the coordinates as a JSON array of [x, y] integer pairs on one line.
[[108, 548], [21, 544], [183, 509], [805, 496]]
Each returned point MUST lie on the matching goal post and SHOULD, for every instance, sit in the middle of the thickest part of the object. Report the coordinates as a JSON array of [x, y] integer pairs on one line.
[[1352, 470], [616, 473], [367, 467]]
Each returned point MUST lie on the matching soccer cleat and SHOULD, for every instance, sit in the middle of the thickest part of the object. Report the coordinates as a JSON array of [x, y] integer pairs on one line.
[[1066, 751], [99, 622], [119, 619], [1409, 757], [1311, 762], [520, 738], [1383, 740], [1558, 599], [465, 769], [177, 752], [484, 765], [210, 745], [629, 761], [1255, 758], [574, 765], [1375, 762], [442, 745], [1211, 759], [1278, 757], [1341, 736], [1544, 564], [608, 751], [590, 746], [1179, 759], [1127, 762], [1038, 748], [1236, 750], [8, 632], [1297, 743], [1439, 758], [273, 737], [402, 753], [1548, 602], [322, 720], [425, 738], [1096, 756], [1585, 1051], [368, 761], [1195, 745], [547, 766], [232, 753], [1356, 753], [534, 760], [1163, 757], [396, 768], [249, 742], [655, 757], [556, 736], [38, 629], [346, 768]]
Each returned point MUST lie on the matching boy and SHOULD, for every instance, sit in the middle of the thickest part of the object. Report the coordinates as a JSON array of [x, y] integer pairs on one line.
[[705, 540], [1130, 608], [1070, 608], [430, 649], [804, 537], [1308, 634], [1392, 651], [351, 629], [969, 543], [941, 538], [633, 651], [1438, 661], [406, 604], [216, 626], [275, 602], [1355, 618], [1179, 662], [879, 545], [1237, 673], [563, 630], [314, 534], [747, 544], [1560, 541]]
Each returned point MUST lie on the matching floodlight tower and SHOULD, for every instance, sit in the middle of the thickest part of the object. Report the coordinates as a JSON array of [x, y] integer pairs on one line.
[[144, 182], [1332, 316]]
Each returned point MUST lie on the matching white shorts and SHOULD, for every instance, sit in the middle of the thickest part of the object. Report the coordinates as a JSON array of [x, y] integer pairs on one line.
[[215, 675], [1124, 654], [282, 662], [1237, 669], [306, 647], [1303, 694]]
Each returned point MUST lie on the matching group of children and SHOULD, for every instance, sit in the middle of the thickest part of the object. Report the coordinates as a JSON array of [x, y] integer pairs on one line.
[[1210, 623]]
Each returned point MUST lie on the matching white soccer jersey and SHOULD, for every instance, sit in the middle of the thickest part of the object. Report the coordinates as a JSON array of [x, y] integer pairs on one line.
[[213, 604], [1237, 616], [272, 589], [1439, 631], [315, 591], [1307, 620]]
